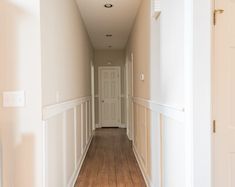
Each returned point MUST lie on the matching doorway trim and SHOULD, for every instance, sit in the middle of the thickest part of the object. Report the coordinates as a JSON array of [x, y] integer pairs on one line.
[[202, 92], [119, 94], [129, 66], [93, 95]]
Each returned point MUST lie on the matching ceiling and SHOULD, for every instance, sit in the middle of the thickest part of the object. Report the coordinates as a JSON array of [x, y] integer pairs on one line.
[[117, 21]]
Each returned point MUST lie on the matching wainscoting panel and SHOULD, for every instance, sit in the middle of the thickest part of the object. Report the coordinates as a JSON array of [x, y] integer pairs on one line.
[[67, 136], [173, 152], [78, 138], [54, 168], [159, 143]]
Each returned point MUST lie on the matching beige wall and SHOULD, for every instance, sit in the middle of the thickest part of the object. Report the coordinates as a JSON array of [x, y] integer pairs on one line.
[[45, 52], [66, 52], [139, 45], [159, 53], [20, 69], [117, 58], [66, 77]]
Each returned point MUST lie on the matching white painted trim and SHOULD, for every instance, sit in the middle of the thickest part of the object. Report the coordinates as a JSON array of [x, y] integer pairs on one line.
[[123, 125], [44, 150], [76, 173], [82, 126], [86, 124], [93, 96], [99, 88], [97, 125], [123, 96], [64, 144], [61, 109], [188, 91], [126, 96], [169, 111], [129, 96], [175, 113], [75, 134], [53, 110], [140, 163]]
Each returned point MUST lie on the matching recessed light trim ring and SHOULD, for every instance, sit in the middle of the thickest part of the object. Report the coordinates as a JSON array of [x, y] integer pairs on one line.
[[108, 35], [108, 5]]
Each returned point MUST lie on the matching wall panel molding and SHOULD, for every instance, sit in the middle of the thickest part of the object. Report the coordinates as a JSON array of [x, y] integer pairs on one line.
[[148, 146], [65, 118], [174, 112]]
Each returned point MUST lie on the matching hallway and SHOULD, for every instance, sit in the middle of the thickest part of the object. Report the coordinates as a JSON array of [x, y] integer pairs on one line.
[[110, 162], [136, 93]]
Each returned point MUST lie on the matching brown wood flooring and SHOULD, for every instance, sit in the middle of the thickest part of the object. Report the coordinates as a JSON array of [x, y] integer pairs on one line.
[[110, 162]]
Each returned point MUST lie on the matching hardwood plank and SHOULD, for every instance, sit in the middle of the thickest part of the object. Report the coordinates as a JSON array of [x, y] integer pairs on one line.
[[110, 162]]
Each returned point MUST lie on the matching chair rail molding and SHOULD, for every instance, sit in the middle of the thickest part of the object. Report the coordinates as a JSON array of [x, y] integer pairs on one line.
[[174, 112]]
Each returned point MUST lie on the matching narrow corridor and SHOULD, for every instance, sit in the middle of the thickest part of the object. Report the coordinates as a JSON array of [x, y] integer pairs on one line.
[[110, 161]]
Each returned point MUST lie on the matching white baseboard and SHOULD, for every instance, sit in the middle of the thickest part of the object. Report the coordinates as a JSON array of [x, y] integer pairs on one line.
[[76, 173], [145, 175], [122, 126], [97, 126]]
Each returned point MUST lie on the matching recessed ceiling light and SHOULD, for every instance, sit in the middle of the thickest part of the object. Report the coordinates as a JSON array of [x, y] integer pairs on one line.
[[108, 5], [108, 35]]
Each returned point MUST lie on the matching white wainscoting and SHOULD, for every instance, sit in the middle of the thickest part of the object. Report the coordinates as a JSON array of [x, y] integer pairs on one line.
[[159, 143], [67, 136]]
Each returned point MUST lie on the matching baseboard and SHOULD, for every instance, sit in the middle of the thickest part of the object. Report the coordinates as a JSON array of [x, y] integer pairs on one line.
[[146, 178], [129, 137], [123, 126], [76, 173], [97, 126]]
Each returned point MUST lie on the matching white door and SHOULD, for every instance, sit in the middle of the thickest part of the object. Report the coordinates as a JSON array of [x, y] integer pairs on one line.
[[109, 89], [224, 94]]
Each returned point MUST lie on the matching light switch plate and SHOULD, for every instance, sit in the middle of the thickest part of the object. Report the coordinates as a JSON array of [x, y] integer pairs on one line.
[[142, 77], [14, 99]]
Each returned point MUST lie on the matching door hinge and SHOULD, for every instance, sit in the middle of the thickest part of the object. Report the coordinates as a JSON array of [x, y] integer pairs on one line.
[[216, 11], [214, 126]]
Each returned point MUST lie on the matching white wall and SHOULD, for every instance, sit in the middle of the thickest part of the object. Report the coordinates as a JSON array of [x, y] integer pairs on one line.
[[167, 54], [179, 66], [20, 69]]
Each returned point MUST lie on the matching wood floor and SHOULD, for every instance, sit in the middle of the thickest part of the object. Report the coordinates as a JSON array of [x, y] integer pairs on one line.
[[110, 162]]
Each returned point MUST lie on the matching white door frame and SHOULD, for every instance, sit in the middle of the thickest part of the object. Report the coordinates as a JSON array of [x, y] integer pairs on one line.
[[119, 97], [201, 87], [129, 97], [93, 95]]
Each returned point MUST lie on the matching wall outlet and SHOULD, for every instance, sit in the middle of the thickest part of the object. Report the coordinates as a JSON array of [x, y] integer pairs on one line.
[[14, 99]]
